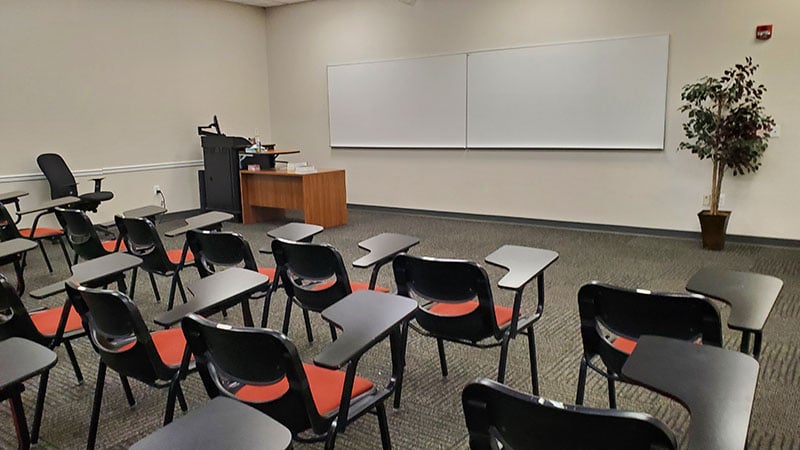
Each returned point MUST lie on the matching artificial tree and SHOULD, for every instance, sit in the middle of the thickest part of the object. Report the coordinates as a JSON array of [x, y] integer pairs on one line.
[[727, 124]]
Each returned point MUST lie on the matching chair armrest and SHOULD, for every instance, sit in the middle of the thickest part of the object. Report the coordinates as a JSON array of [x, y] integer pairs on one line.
[[367, 317], [97, 182]]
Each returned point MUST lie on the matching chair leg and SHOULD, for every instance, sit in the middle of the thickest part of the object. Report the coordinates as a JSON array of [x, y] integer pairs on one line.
[[44, 254], [98, 400], [442, 357], [581, 382], [122, 287], [501, 370], [398, 390], [155, 288], [127, 388], [172, 287], [75, 259], [532, 355], [307, 321], [333, 332], [18, 413], [64, 250], [134, 273], [612, 394], [181, 398], [180, 288], [172, 393], [330, 441], [383, 424], [265, 312], [37, 414], [287, 316], [72, 359]]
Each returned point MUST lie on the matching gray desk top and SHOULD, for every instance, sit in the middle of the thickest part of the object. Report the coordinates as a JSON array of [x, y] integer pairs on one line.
[[11, 196], [23, 359], [144, 212], [523, 263], [92, 270], [220, 423], [716, 385], [750, 295], [382, 246], [15, 246], [201, 221], [294, 231], [366, 317], [50, 204], [214, 293]]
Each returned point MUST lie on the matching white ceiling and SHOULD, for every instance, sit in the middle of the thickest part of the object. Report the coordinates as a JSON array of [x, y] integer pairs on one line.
[[267, 3]]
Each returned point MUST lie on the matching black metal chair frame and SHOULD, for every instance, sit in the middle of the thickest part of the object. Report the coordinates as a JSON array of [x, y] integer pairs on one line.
[[122, 326], [439, 280], [232, 356], [608, 312], [15, 321], [141, 239], [496, 414]]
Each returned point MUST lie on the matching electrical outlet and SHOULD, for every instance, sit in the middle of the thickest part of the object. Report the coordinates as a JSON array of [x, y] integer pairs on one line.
[[775, 132], [706, 200], [721, 200], [156, 189]]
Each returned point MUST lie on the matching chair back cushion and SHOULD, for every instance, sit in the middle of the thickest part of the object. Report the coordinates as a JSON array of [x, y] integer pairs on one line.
[[142, 240], [80, 233], [118, 333], [500, 417], [446, 282], [313, 274], [58, 175], [609, 313], [216, 250]]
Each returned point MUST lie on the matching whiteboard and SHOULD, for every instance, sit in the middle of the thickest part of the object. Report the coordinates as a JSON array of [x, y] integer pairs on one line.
[[608, 94], [404, 104]]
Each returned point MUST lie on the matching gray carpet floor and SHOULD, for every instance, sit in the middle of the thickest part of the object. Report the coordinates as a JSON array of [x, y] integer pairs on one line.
[[430, 416]]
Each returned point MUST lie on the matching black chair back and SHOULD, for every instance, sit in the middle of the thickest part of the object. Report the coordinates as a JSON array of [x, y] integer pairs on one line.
[[80, 233], [141, 239], [118, 333], [314, 274], [608, 312], [8, 228], [62, 183], [229, 358], [448, 281], [213, 249], [500, 417], [14, 318]]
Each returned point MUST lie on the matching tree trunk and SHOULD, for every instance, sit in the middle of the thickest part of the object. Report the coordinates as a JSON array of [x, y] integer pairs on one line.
[[713, 205]]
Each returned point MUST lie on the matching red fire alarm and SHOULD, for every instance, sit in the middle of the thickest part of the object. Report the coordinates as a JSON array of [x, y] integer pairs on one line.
[[763, 32]]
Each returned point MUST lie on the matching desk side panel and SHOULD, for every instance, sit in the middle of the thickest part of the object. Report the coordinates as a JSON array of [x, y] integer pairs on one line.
[[325, 198]]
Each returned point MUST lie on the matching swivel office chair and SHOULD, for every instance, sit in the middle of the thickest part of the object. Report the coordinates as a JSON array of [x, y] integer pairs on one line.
[[62, 183]]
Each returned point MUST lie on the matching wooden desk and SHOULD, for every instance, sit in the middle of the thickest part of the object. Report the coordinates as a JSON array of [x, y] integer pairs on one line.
[[267, 194]]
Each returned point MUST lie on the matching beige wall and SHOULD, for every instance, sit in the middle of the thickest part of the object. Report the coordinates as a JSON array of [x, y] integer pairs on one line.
[[110, 83], [648, 189]]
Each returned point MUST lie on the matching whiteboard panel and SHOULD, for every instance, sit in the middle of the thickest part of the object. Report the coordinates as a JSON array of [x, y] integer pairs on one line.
[[598, 94], [406, 103]]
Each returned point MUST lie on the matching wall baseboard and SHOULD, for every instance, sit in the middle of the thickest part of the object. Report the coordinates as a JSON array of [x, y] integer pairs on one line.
[[13, 178], [583, 226]]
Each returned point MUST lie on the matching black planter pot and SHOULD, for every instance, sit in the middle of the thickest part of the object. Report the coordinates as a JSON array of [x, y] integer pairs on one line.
[[713, 228]]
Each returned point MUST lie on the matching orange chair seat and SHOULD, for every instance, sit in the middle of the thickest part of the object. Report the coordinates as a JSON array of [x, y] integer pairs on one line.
[[624, 345], [40, 232], [174, 256], [109, 245], [325, 384], [354, 286], [47, 321], [501, 313], [268, 271], [170, 345]]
